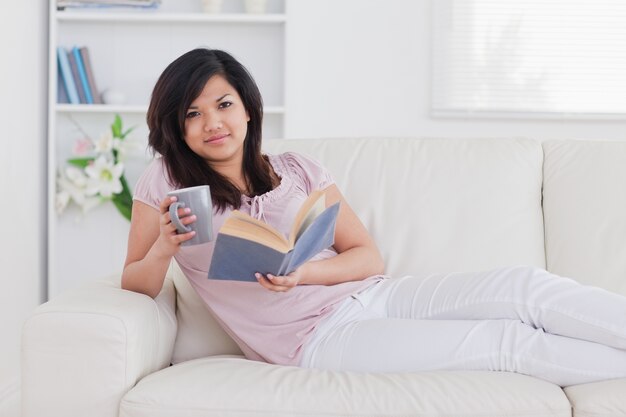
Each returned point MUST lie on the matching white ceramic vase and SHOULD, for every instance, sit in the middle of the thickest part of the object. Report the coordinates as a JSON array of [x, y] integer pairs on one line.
[[211, 6], [256, 6], [113, 96]]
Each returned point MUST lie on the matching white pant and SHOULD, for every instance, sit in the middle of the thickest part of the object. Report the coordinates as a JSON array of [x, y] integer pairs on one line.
[[519, 319]]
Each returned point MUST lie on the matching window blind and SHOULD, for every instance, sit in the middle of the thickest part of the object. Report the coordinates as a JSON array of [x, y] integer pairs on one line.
[[529, 57]]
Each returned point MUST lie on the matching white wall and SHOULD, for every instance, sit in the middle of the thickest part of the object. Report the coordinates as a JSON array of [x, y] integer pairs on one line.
[[362, 68], [23, 87]]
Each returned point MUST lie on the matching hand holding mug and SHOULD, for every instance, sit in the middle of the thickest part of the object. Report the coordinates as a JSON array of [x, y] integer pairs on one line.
[[169, 239], [192, 215]]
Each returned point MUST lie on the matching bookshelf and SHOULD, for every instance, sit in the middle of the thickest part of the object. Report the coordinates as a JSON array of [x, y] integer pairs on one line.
[[150, 16], [103, 108], [128, 50]]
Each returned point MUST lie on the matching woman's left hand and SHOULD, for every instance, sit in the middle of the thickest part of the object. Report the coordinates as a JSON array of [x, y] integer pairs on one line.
[[280, 283]]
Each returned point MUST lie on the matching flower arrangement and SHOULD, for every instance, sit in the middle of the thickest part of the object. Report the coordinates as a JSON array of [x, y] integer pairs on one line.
[[96, 174]]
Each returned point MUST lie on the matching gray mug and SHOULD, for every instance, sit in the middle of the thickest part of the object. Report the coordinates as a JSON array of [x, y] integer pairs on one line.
[[198, 199]]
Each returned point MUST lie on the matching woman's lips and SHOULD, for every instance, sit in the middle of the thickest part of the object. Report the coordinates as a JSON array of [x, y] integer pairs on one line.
[[217, 139]]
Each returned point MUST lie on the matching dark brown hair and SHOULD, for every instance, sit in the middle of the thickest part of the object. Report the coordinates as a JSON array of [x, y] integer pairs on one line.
[[177, 87]]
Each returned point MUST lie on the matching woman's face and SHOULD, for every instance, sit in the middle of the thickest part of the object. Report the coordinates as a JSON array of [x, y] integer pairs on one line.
[[216, 123]]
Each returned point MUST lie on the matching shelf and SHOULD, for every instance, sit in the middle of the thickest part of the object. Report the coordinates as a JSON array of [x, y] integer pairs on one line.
[[159, 17], [105, 108], [99, 108], [130, 47]]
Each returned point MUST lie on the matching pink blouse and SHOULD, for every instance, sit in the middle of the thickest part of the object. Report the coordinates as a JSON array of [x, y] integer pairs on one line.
[[268, 326]]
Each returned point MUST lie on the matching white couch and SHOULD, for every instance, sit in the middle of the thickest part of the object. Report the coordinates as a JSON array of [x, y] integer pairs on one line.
[[433, 205]]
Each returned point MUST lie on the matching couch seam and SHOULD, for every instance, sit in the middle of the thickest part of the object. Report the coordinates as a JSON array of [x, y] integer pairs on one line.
[[595, 413], [551, 412]]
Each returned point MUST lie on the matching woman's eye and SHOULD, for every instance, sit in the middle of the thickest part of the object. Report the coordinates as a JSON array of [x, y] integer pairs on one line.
[[225, 104], [192, 114]]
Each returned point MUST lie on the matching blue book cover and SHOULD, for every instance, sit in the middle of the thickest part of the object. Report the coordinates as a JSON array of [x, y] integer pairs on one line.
[[245, 246], [83, 74], [62, 97], [66, 75], [82, 98], [84, 53]]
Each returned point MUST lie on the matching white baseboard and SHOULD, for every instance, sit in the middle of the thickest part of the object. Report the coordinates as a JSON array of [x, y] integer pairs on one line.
[[10, 398]]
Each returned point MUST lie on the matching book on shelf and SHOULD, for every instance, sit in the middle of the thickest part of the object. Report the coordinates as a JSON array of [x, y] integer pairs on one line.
[[66, 75], [62, 97], [82, 98], [82, 75], [245, 245], [77, 83], [91, 81]]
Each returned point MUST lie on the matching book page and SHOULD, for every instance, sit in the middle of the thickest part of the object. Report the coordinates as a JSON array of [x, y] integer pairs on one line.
[[319, 236], [311, 208], [243, 217], [256, 231]]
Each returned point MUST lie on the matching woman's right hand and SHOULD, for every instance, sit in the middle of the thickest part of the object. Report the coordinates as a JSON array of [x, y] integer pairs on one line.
[[169, 240]]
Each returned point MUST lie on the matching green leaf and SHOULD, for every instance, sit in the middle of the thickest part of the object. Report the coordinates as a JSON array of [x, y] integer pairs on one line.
[[124, 200], [125, 195], [123, 136], [116, 127], [80, 162], [124, 208]]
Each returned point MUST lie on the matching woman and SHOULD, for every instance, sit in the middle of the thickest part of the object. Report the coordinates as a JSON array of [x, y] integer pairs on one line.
[[337, 311]]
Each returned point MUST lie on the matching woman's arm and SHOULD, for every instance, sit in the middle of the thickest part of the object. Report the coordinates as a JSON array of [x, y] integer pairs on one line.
[[358, 256], [152, 242]]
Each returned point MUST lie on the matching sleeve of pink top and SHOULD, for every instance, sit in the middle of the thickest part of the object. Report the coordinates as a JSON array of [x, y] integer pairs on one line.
[[153, 185], [309, 173]]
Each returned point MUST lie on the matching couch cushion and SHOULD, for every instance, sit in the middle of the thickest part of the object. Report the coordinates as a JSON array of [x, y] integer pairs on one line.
[[440, 205], [584, 199], [198, 333], [230, 387], [600, 399]]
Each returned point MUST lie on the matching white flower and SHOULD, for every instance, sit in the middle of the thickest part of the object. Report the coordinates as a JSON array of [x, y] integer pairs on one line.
[[61, 201], [72, 185], [126, 147], [105, 143], [73, 182], [104, 177], [90, 202], [76, 175]]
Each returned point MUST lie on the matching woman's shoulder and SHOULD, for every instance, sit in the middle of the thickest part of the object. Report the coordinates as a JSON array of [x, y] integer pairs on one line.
[[311, 173], [153, 184], [298, 161], [157, 171], [156, 165]]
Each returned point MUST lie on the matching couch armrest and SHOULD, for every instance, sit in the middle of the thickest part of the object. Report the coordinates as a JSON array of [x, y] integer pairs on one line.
[[82, 351]]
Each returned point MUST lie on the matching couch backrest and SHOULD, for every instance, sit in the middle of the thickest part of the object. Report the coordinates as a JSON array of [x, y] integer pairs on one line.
[[433, 205], [584, 199], [439, 205]]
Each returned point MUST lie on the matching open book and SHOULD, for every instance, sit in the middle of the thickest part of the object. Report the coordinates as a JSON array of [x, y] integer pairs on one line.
[[245, 245]]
